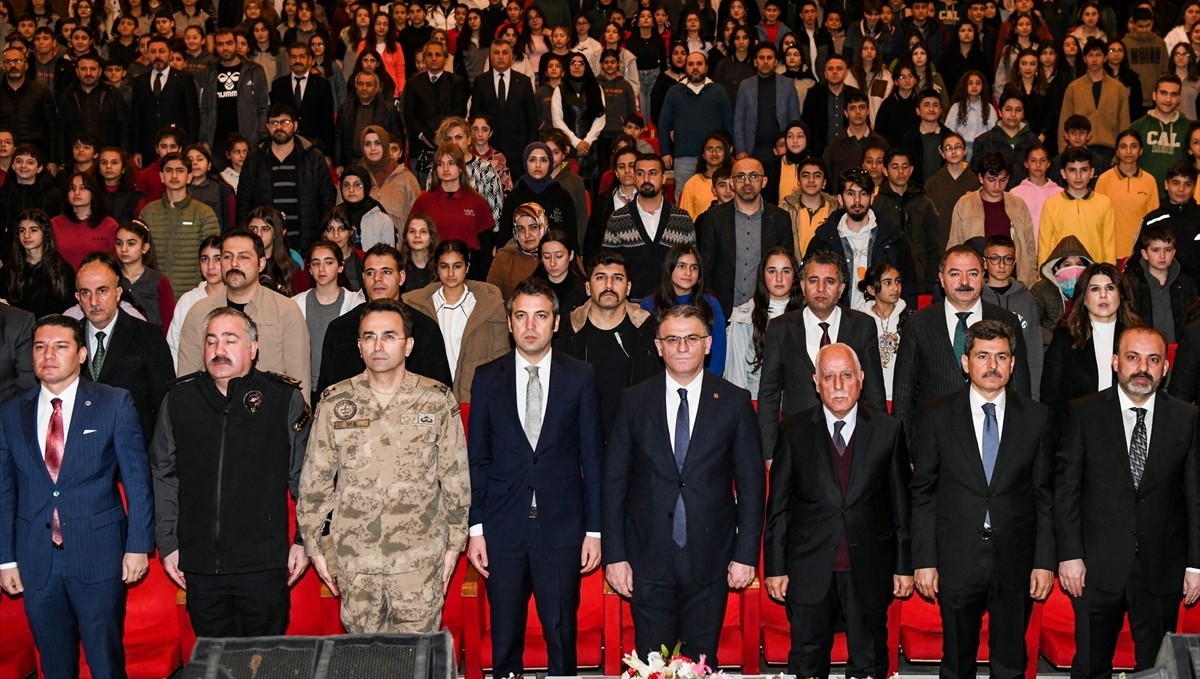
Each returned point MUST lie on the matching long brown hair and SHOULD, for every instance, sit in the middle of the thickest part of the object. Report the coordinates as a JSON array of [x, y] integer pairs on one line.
[[51, 277], [1079, 322], [284, 266]]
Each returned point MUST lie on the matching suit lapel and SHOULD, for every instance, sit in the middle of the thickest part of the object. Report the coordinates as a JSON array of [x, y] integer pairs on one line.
[[944, 340], [81, 416], [661, 425], [963, 424], [1009, 434], [862, 442], [29, 417], [705, 409], [800, 335], [122, 336], [510, 396], [555, 407]]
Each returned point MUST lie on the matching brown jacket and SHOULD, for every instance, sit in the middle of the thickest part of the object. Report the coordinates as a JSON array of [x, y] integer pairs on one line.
[[510, 267], [1109, 118], [484, 339], [397, 194], [967, 223]]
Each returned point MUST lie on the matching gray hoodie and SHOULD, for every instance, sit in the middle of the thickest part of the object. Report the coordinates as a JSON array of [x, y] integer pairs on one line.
[[1018, 300]]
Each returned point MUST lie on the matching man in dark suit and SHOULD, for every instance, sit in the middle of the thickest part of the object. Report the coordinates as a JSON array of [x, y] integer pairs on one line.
[[16, 356], [982, 507], [383, 278], [162, 97], [1127, 508], [123, 351], [535, 443], [314, 103], [851, 492], [827, 95], [929, 363], [677, 553], [507, 97], [793, 340], [72, 550], [728, 232], [431, 97]]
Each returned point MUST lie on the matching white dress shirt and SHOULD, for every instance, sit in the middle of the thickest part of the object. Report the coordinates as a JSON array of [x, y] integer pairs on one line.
[[91, 331], [1129, 418], [452, 320], [851, 420], [812, 330], [694, 390], [303, 84], [1103, 336], [978, 416], [952, 319], [650, 220]]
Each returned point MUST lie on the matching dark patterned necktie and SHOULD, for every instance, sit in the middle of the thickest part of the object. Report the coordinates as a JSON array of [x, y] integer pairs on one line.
[[683, 437]]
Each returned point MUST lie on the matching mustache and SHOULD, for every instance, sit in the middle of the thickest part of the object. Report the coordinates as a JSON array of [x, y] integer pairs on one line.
[[992, 373], [1142, 375], [220, 360], [964, 288]]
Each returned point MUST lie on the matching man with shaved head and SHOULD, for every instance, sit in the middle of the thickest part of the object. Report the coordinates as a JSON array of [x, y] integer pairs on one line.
[[689, 113], [810, 509]]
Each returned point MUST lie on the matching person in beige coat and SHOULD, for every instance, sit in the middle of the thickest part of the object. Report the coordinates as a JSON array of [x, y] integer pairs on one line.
[[967, 221], [392, 183], [470, 314], [517, 260], [1110, 115]]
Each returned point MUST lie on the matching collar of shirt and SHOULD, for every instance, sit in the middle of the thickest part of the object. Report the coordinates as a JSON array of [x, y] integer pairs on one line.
[[694, 391], [952, 320], [851, 420], [757, 214], [507, 73], [1129, 418], [45, 409], [166, 74], [91, 336], [812, 331], [697, 88], [651, 221], [978, 416], [522, 379]]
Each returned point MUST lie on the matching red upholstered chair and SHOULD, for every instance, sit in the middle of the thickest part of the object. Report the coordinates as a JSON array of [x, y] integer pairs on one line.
[[921, 634], [777, 638], [17, 656], [924, 301], [1058, 633], [477, 640], [1171, 353], [738, 646], [1189, 619]]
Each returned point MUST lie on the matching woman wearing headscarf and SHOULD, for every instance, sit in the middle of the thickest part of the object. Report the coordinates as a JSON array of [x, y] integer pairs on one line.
[[392, 184], [577, 108], [537, 185], [783, 172], [366, 215], [517, 260]]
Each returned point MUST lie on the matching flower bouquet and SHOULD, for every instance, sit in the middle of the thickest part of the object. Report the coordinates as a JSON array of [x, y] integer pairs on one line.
[[666, 664]]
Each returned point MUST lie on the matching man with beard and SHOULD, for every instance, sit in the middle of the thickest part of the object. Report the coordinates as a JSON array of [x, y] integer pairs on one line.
[[929, 363], [90, 106], [688, 115], [233, 98], [282, 332], [291, 174], [229, 444], [27, 105], [1127, 508], [162, 97]]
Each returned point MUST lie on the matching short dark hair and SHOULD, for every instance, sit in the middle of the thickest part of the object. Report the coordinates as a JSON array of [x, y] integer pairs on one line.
[[1141, 13], [1077, 123], [960, 249], [1076, 155], [999, 240], [1093, 45], [766, 45], [280, 109], [1010, 94], [532, 287], [1182, 169], [989, 329], [384, 306], [928, 93], [651, 157], [686, 311], [854, 96], [824, 256], [385, 250], [855, 176], [606, 259], [175, 155], [1156, 232], [892, 154], [242, 232], [1168, 78], [61, 321], [995, 163]]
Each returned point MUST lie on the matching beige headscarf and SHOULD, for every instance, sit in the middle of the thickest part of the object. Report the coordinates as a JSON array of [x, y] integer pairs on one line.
[[383, 169]]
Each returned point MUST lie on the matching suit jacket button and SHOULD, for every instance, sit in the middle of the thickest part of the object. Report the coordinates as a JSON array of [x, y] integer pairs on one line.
[[682, 484], [56, 495], [47, 526]]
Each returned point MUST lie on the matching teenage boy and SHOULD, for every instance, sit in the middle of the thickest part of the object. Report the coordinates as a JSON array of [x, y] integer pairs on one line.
[[952, 181], [1161, 292], [901, 202], [925, 141], [771, 28], [1180, 214], [1145, 52], [1079, 211], [1164, 129], [1077, 133], [1004, 290], [992, 211], [848, 147], [1132, 190], [1010, 135], [809, 205], [1101, 98]]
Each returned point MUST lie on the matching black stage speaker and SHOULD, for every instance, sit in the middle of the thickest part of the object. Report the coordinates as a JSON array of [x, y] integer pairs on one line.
[[356, 656], [1178, 658]]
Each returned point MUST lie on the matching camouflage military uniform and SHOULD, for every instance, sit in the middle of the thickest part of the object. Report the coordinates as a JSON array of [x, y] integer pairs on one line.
[[400, 503]]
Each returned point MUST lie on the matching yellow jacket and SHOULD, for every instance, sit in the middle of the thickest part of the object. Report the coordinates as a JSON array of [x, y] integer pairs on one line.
[[1090, 219]]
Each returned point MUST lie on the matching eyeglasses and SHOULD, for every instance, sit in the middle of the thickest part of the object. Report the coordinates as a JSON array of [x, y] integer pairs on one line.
[[713, 149], [387, 338], [280, 123], [956, 147], [692, 341], [353, 186], [743, 177], [997, 260], [906, 75]]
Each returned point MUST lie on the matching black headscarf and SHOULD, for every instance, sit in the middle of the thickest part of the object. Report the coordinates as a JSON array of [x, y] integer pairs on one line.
[[587, 85], [355, 211]]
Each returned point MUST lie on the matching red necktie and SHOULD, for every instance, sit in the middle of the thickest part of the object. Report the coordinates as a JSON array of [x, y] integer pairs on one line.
[[54, 453]]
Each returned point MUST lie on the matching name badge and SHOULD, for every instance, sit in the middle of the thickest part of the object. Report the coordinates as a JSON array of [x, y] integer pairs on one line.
[[352, 424]]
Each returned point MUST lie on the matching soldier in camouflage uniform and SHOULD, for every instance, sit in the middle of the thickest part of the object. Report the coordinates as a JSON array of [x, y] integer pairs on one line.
[[395, 444]]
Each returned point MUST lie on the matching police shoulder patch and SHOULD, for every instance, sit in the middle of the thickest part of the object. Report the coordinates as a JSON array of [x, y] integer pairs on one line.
[[187, 378], [280, 377], [305, 416]]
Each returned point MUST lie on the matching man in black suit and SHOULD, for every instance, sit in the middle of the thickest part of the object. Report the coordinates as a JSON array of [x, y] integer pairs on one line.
[[310, 94], [383, 278], [982, 507], [728, 232], [814, 504], [162, 97], [1127, 508], [929, 363], [824, 97], [793, 340], [507, 97], [677, 553], [16, 351], [535, 483], [431, 97], [123, 351]]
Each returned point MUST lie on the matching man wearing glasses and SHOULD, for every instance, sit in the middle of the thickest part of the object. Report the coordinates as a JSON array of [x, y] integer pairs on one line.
[[676, 554], [735, 236]]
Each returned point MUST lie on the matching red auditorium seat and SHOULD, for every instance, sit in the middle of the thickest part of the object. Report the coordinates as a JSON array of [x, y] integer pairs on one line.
[[1189, 619], [1171, 353], [738, 645], [924, 301], [478, 642], [921, 634], [1058, 633], [17, 656], [777, 639]]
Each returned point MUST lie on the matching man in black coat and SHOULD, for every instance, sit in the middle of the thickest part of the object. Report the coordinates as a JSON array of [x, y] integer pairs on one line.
[[27, 106], [814, 504], [431, 97], [983, 507], [383, 276], [507, 98], [786, 385], [314, 107], [727, 235], [1127, 508], [929, 362], [824, 97], [366, 107], [123, 351], [91, 106], [162, 97]]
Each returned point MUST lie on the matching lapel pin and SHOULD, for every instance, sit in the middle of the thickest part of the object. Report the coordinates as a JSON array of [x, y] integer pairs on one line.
[[87, 403], [716, 395]]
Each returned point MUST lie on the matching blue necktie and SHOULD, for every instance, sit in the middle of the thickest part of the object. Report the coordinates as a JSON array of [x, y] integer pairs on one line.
[[683, 437], [991, 447]]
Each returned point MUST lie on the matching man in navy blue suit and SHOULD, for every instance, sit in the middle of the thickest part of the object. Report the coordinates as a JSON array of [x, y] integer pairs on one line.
[[534, 444], [63, 446], [676, 535]]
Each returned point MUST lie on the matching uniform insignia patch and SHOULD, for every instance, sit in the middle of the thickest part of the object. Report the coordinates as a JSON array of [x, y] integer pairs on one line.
[[345, 409], [253, 401], [426, 418], [352, 424], [298, 425]]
